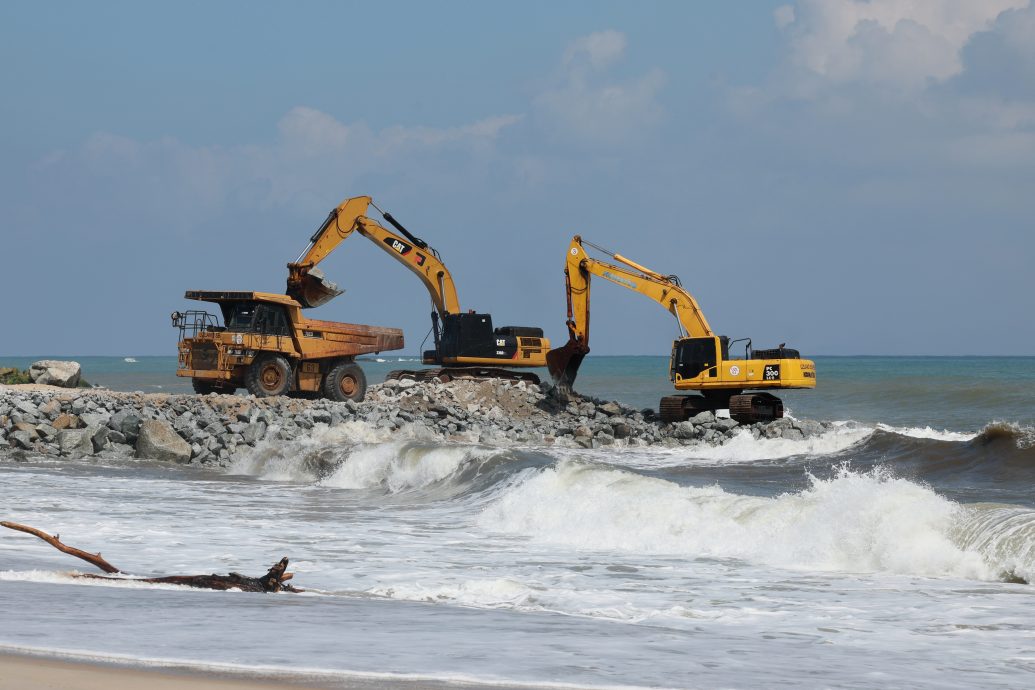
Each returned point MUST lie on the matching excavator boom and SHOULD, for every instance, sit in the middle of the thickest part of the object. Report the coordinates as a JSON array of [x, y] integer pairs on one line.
[[564, 362], [309, 286]]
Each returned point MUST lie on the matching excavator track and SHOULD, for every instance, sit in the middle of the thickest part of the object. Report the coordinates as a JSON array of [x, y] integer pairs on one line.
[[447, 374], [679, 408], [749, 408]]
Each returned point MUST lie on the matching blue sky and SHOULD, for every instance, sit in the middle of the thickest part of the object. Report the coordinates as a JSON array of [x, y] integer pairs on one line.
[[847, 177]]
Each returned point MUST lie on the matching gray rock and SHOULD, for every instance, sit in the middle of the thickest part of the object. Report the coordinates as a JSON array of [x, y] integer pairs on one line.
[[95, 418], [26, 407], [127, 422], [610, 408], [706, 417], [55, 373], [684, 430], [46, 432], [74, 441], [254, 432], [21, 439], [583, 431], [809, 428], [792, 434], [622, 430], [98, 436], [158, 441], [116, 437], [725, 424]]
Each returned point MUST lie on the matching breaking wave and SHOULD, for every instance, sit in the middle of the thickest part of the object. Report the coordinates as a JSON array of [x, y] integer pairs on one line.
[[855, 522]]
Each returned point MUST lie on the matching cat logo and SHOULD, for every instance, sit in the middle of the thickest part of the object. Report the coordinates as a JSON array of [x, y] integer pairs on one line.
[[398, 246]]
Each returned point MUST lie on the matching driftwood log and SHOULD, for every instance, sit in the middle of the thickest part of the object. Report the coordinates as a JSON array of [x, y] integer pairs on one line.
[[273, 581]]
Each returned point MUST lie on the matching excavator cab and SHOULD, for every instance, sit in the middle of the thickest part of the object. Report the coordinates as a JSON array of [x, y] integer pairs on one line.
[[692, 356], [470, 338]]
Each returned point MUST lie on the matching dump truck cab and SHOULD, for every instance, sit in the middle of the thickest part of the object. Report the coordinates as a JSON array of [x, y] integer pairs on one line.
[[261, 341]]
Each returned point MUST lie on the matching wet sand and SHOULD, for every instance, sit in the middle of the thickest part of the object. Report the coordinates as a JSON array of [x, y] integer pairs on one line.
[[24, 672]]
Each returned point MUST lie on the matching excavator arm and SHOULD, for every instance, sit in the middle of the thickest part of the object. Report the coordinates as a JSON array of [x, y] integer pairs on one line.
[[564, 362], [309, 286]]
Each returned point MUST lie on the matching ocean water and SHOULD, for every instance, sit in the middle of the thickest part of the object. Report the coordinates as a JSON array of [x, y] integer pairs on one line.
[[890, 551]]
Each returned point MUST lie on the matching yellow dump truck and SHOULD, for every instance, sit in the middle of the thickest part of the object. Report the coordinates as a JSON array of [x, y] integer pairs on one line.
[[261, 341]]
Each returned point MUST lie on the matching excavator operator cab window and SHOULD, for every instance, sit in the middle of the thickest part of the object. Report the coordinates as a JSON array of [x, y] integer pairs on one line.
[[691, 356]]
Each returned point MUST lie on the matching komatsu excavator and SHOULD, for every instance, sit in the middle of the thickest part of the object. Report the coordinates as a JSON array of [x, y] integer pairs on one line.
[[466, 344], [700, 359]]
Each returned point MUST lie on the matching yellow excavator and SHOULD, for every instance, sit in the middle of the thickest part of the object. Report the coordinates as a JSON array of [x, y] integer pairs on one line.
[[700, 359], [466, 344]]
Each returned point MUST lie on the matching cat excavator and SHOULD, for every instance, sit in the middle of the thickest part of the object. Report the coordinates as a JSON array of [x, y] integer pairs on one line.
[[700, 359], [466, 344]]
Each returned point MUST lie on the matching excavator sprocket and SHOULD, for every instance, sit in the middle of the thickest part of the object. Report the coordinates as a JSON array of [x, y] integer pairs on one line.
[[748, 408], [446, 374]]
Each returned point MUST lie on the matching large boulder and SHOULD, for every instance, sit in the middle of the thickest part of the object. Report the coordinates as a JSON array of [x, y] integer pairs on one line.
[[55, 373], [158, 441]]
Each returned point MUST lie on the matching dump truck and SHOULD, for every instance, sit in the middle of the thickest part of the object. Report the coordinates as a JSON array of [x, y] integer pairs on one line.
[[466, 343], [700, 360], [262, 342]]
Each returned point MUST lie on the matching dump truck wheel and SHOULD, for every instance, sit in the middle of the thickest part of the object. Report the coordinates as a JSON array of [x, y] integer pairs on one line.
[[267, 376], [204, 387], [345, 381]]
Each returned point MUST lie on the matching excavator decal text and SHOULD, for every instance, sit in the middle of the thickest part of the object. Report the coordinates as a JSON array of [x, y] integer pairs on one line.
[[398, 246]]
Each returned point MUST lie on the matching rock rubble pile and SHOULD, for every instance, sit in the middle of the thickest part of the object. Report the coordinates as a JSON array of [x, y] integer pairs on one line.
[[212, 428]]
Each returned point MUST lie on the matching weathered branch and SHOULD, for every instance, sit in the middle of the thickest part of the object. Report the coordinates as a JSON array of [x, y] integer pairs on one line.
[[91, 558], [272, 581]]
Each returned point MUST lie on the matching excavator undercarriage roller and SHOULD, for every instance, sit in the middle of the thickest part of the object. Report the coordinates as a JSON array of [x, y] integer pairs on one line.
[[746, 408], [447, 374]]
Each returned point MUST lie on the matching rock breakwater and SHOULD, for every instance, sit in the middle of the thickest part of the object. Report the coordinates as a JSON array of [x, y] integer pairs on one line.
[[211, 429]]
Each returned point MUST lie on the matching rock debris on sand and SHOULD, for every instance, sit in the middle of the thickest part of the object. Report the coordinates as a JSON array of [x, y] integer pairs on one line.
[[212, 428]]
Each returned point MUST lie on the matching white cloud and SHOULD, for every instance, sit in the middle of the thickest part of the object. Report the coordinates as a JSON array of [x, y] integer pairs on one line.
[[598, 49], [313, 158], [585, 105], [783, 15], [902, 43]]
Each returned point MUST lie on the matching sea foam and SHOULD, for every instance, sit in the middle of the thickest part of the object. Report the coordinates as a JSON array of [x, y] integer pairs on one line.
[[856, 522]]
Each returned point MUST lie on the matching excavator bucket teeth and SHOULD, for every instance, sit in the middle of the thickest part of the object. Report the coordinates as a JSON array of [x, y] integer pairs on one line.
[[564, 362], [314, 289]]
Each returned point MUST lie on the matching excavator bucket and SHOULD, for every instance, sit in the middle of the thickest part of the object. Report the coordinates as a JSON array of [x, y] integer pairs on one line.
[[564, 362], [313, 289]]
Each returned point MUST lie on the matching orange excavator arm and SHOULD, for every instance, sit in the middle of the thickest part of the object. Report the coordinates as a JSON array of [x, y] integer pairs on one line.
[[309, 286], [564, 361]]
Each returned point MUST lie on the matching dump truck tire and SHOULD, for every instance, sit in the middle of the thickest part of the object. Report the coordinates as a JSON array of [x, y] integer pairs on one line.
[[204, 387], [267, 376], [345, 381]]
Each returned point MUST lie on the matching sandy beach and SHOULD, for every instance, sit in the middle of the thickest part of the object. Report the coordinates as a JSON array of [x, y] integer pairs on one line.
[[24, 672]]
